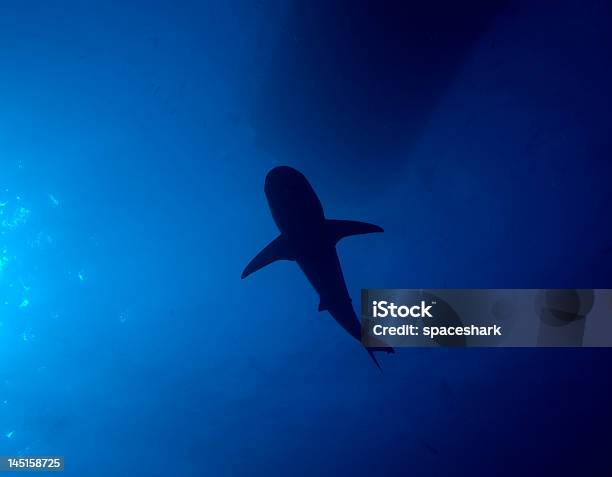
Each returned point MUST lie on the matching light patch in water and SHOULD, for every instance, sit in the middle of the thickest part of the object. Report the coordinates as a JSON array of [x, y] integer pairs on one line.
[[10, 434], [53, 200], [42, 240], [20, 217], [3, 259], [25, 303], [81, 275]]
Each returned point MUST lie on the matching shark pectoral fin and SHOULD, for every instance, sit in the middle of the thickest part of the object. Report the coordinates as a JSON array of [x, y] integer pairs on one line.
[[338, 229], [278, 249], [322, 306]]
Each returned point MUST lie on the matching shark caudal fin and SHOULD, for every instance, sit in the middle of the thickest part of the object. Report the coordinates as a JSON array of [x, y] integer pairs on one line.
[[371, 351]]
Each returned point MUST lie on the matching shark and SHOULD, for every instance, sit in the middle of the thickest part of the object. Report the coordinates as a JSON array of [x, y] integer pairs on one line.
[[308, 238]]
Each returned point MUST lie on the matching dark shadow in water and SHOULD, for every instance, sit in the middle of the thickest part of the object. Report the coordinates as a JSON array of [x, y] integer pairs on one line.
[[562, 316], [353, 80]]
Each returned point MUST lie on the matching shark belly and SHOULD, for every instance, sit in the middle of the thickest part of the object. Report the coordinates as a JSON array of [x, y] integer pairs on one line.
[[325, 275]]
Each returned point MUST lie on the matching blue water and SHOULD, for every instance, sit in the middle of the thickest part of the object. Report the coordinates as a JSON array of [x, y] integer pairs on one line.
[[134, 140]]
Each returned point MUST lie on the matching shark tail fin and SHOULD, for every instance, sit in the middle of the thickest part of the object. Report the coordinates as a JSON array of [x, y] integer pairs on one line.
[[371, 353], [373, 356]]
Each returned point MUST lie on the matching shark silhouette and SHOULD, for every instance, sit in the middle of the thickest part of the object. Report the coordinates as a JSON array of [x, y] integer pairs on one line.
[[310, 239]]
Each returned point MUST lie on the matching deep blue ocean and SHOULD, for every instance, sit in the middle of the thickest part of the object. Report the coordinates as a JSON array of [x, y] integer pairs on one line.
[[134, 142]]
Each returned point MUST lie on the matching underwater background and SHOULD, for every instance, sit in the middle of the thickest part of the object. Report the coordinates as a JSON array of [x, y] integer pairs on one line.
[[134, 141]]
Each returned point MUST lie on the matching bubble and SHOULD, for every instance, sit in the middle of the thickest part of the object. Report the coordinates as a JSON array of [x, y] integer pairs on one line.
[[53, 200], [28, 335]]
